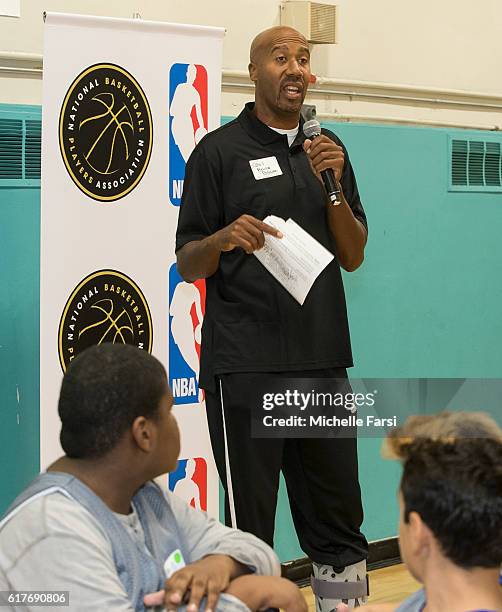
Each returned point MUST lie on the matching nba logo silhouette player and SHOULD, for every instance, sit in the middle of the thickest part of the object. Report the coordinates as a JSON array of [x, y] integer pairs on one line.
[[187, 120], [189, 481], [186, 312]]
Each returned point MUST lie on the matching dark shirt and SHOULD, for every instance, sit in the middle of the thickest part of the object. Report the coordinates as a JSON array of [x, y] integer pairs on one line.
[[251, 323]]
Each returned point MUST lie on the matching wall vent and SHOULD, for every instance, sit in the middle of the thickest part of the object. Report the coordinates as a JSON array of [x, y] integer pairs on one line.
[[33, 149], [20, 149], [315, 20], [11, 149], [475, 165]]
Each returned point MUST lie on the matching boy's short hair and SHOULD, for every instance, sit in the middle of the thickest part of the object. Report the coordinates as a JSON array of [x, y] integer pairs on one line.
[[452, 477], [103, 391]]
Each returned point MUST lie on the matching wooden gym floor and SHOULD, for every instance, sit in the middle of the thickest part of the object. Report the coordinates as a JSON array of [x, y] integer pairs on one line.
[[387, 585]]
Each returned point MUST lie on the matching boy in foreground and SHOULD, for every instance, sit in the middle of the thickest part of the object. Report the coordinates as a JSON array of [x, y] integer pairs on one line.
[[97, 526]]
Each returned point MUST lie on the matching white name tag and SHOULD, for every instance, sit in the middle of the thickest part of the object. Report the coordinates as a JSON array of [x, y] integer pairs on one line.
[[265, 168]]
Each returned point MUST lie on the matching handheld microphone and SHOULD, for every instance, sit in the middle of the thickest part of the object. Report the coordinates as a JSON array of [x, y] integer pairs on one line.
[[312, 129]]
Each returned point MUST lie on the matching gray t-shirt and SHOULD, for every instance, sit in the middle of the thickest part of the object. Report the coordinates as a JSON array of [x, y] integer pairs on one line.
[[53, 543], [414, 603], [133, 526]]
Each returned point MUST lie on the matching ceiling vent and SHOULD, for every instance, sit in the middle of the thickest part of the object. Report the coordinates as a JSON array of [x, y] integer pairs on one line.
[[315, 20]]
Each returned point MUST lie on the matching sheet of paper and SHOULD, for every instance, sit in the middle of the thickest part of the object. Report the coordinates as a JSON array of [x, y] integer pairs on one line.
[[296, 259], [10, 8]]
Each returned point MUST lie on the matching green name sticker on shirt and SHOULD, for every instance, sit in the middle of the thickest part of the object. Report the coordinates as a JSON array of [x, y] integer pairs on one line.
[[174, 562]]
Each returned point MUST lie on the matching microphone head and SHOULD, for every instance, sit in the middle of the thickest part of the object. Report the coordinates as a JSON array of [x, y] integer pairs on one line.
[[312, 128]]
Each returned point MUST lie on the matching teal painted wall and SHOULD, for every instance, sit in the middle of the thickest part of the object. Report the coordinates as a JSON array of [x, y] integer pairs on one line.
[[19, 340], [428, 298], [19, 326], [426, 302]]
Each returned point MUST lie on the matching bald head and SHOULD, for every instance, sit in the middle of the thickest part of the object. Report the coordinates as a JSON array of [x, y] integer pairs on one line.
[[280, 70], [265, 41]]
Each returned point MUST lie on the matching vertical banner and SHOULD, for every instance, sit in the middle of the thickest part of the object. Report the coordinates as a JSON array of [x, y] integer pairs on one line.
[[124, 104]]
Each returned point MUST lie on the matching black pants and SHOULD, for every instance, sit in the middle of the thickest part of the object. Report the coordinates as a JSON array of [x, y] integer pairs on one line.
[[321, 474]]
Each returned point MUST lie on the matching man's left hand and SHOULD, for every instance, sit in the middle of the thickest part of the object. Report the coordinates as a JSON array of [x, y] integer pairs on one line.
[[323, 153]]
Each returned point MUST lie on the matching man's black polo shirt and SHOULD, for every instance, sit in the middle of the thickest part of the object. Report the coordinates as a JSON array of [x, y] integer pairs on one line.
[[252, 324]]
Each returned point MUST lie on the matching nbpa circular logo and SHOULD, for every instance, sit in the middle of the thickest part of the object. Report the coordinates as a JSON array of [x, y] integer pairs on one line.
[[105, 132], [106, 306]]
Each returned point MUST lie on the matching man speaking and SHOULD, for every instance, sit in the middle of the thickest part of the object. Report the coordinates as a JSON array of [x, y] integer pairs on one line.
[[255, 331]]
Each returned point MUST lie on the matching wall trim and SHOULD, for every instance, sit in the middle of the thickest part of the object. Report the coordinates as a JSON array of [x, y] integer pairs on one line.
[[386, 91], [389, 120], [32, 64], [25, 64]]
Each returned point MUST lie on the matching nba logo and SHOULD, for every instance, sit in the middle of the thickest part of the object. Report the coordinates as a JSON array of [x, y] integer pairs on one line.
[[187, 120], [186, 311], [189, 481]]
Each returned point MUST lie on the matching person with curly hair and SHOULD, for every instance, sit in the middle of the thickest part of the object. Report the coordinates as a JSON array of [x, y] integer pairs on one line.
[[450, 497]]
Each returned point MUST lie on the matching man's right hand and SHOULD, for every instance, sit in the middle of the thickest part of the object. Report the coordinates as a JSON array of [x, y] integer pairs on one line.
[[246, 232], [201, 258]]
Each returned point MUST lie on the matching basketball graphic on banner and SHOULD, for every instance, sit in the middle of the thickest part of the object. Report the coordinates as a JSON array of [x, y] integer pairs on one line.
[[108, 132], [105, 132], [106, 306]]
